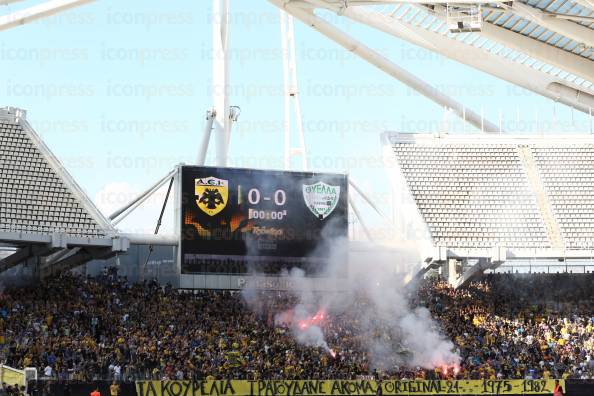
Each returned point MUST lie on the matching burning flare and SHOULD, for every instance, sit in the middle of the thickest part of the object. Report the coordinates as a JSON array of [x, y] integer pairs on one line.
[[313, 320]]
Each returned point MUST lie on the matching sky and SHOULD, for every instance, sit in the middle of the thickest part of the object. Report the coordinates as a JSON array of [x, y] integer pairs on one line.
[[119, 91]]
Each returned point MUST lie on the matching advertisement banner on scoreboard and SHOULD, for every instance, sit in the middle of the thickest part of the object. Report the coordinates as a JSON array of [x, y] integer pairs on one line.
[[358, 387], [242, 220]]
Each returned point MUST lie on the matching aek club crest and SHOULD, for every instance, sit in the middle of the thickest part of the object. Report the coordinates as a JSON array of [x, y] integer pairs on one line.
[[321, 198], [211, 194]]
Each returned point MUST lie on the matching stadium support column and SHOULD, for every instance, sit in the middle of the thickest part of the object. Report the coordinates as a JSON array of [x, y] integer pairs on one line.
[[220, 78], [210, 118], [373, 57], [361, 220], [453, 270], [291, 93], [125, 210], [469, 273], [177, 202]]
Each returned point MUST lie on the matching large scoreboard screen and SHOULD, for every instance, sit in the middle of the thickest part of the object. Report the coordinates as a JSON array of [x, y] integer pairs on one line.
[[245, 220]]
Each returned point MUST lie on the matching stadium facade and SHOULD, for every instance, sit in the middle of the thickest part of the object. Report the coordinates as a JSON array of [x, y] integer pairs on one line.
[[474, 202], [47, 222], [495, 198]]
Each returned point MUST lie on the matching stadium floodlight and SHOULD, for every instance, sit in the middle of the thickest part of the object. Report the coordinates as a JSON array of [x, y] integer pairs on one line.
[[464, 18], [234, 112]]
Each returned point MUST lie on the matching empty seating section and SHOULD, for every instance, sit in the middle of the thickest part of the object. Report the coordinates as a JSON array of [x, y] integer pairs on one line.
[[33, 198], [567, 173], [473, 195]]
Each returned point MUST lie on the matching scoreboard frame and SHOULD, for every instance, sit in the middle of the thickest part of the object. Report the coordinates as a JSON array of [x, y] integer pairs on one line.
[[282, 195]]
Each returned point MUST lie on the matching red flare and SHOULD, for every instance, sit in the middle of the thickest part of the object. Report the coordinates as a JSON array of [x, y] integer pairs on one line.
[[332, 353], [318, 317], [314, 320]]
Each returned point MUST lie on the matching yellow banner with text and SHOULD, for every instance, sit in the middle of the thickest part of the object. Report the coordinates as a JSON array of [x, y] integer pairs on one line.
[[355, 387]]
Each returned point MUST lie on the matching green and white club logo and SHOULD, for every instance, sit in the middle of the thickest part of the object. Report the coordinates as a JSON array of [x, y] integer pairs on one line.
[[321, 198]]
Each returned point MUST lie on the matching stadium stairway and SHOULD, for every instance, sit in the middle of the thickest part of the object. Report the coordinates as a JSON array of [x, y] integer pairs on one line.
[[500, 198], [542, 199]]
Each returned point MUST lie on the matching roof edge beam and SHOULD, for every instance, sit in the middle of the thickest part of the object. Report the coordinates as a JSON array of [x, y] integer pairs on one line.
[[571, 17], [569, 29], [387, 66], [546, 53], [585, 3], [39, 11], [14, 259], [25, 253], [151, 239], [80, 257], [564, 91], [495, 65]]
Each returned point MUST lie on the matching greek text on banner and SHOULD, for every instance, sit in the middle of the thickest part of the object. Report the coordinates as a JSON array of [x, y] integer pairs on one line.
[[359, 387]]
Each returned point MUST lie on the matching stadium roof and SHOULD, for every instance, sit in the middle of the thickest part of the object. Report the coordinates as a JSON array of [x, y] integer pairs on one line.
[[42, 209], [546, 46], [474, 195]]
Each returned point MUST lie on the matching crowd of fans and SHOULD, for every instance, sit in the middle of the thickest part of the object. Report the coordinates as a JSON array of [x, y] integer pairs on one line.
[[85, 329], [511, 326]]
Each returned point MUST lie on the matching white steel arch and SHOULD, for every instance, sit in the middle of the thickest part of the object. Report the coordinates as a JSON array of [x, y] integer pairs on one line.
[[546, 47]]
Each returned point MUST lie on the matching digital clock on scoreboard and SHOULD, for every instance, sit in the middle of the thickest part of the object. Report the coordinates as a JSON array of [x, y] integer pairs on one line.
[[240, 220]]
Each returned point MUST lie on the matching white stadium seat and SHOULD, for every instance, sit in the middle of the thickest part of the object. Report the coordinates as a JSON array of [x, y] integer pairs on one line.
[[481, 194], [34, 197]]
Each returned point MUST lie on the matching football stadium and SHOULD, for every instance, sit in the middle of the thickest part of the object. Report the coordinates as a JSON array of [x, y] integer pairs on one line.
[[409, 212]]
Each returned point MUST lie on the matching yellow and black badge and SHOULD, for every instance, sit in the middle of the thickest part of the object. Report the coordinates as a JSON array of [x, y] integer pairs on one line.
[[211, 194]]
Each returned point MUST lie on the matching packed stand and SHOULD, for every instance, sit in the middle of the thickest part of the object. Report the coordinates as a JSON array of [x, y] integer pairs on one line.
[[519, 326], [74, 328]]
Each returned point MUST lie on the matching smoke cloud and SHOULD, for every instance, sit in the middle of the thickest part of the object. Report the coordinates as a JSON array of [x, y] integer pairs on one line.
[[372, 299]]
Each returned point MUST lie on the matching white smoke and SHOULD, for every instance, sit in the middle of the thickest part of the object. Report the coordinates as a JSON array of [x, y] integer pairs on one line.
[[312, 336], [374, 296]]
